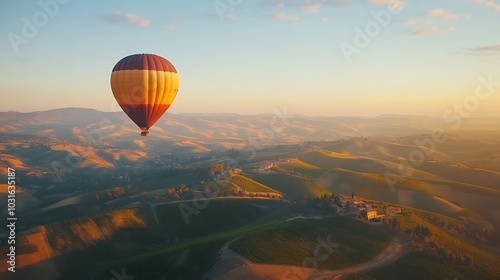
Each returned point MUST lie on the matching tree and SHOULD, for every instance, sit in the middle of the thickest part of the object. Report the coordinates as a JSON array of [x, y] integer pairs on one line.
[[426, 232], [467, 260], [418, 230], [216, 168], [118, 192]]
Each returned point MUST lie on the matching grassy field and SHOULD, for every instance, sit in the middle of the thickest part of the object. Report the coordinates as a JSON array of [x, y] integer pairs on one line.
[[189, 259], [300, 167], [446, 239], [292, 186], [153, 184], [293, 242], [380, 180], [250, 185], [214, 217], [87, 239], [330, 160], [422, 266], [463, 174]]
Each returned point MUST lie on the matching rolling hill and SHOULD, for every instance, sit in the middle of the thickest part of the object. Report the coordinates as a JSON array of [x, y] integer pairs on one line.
[[250, 185], [291, 186], [182, 222], [376, 158], [292, 242], [49, 247]]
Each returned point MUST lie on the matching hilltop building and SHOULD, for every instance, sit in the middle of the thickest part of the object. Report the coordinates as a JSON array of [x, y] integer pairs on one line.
[[372, 214], [392, 211]]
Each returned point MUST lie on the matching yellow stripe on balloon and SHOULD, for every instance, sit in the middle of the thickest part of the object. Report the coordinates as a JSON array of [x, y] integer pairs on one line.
[[150, 87]]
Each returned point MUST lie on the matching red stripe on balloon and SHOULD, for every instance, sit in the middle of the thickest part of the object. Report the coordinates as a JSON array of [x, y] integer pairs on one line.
[[145, 115], [144, 62]]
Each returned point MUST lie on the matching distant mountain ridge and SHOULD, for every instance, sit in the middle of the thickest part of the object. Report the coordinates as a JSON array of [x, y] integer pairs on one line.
[[275, 128], [104, 138]]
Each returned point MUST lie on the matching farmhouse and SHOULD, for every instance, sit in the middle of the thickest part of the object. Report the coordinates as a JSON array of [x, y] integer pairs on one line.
[[265, 165], [372, 214], [237, 171], [392, 211], [352, 201]]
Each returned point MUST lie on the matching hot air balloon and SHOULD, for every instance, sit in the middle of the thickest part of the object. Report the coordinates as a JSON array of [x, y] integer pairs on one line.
[[144, 85]]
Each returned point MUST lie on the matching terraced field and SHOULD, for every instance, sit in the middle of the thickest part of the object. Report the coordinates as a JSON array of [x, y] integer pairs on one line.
[[339, 241], [292, 186], [448, 240], [250, 185], [202, 218]]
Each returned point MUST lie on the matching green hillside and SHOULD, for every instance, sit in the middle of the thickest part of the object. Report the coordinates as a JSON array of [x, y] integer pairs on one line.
[[250, 185], [292, 242], [463, 174], [192, 258], [370, 186], [447, 239], [330, 160], [291, 186], [66, 245], [216, 215], [300, 167]]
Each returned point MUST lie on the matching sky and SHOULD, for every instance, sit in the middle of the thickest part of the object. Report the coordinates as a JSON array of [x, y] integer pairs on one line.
[[308, 57]]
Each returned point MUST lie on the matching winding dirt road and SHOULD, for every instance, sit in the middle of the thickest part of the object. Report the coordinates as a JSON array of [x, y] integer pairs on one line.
[[232, 265], [389, 255]]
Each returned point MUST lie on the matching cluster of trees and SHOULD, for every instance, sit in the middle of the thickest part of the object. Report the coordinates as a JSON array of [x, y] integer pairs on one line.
[[484, 234], [216, 168], [198, 172], [107, 195], [295, 173], [487, 235], [451, 256], [419, 233], [231, 153], [180, 192], [318, 203], [422, 240]]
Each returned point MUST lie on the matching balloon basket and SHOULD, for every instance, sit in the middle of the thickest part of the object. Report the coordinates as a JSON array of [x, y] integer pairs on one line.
[[145, 133]]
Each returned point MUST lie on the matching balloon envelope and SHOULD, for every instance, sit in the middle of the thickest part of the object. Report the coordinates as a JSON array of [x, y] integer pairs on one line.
[[144, 85]]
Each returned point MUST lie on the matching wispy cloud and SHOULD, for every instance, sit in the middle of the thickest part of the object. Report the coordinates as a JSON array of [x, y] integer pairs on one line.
[[293, 11], [487, 50], [229, 16], [304, 3], [488, 3], [312, 8], [395, 4], [286, 17], [226, 16], [435, 22], [307, 6], [120, 18], [434, 30], [442, 14]]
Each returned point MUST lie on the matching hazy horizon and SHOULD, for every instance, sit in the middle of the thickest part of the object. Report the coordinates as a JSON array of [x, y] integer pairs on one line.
[[477, 115]]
